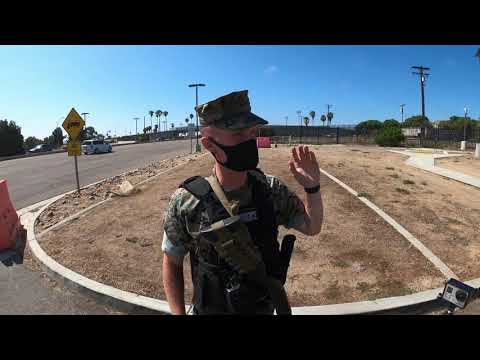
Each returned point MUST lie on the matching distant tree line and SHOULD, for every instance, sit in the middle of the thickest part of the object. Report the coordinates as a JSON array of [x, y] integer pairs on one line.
[[454, 122], [13, 143]]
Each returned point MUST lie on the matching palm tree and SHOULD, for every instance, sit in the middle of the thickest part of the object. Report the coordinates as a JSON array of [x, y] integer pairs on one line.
[[312, 115], [165, 113], [306, 120], [329, 118], [158, 113], [323, 119], [191, 116], [151, 115]]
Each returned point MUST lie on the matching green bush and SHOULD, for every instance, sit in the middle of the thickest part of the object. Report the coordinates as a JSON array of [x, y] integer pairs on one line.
[[390, 136], [11, 138]]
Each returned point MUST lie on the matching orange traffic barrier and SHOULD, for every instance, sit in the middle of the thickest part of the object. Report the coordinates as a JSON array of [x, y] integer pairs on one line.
[[263, 142], [9, 221]]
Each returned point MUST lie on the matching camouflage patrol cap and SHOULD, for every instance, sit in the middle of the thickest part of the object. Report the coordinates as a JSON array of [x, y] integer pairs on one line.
[[230, 112]]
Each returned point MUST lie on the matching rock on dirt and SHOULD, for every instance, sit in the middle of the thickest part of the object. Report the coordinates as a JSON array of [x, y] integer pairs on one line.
[[132, 239], [126, 188], [145, 243]]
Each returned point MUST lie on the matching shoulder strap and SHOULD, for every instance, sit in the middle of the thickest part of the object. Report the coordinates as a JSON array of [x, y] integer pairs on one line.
[[231, 207], [200, 187]]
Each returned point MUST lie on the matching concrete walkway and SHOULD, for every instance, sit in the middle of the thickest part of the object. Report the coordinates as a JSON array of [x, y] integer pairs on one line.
[[426, 162]]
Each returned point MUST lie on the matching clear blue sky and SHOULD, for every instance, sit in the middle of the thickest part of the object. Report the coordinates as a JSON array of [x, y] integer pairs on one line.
[[39, 84]]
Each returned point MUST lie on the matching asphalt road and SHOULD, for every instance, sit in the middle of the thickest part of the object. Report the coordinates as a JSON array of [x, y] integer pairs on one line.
[[38, 178], [25, 292]]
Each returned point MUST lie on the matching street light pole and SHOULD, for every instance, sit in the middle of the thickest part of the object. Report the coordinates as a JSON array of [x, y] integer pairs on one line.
[[328, 112], [465, 124], [136, 128], [401, 109], [85, 118], [197, 149]]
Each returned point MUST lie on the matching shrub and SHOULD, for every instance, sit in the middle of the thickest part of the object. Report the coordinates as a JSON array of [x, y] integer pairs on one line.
[[390, 136]]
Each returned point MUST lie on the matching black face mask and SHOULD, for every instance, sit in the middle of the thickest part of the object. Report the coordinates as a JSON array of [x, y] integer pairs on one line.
[[240, 157]]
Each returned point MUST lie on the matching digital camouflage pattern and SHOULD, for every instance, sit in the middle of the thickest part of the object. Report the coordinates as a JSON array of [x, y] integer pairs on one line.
[[182, 216], [231, 112]]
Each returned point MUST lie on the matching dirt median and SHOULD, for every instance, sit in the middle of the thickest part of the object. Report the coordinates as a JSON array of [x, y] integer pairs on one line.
[[441, 213], [356, 257]]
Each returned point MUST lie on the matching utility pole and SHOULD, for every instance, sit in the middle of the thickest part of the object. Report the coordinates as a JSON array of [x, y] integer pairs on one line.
[[143, 122], [423, 76], [401, 109], [196, 86], [465, 124]]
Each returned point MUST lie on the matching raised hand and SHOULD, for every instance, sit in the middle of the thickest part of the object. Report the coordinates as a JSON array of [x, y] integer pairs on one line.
[[304, 167]]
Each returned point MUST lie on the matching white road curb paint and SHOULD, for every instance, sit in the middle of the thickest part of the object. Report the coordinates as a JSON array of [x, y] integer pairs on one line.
[[441, 266]]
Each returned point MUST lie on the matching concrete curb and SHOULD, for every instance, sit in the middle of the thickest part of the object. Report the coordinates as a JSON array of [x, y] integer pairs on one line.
[[133, 302]]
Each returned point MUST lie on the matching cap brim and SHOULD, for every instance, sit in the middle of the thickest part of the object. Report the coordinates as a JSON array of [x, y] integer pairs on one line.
[[242, 122]]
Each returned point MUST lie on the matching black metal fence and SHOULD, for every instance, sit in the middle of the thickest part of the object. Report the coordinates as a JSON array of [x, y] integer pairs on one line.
[[317, 135], [445, 138]]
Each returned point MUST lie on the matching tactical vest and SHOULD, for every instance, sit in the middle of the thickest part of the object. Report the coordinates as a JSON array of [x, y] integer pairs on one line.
[[215, 282]]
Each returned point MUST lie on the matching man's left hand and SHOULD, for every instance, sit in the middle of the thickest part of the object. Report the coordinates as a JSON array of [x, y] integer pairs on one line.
[[304, 167]]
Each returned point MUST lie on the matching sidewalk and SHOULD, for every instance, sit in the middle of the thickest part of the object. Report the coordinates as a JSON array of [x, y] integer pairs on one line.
[[426, 162]]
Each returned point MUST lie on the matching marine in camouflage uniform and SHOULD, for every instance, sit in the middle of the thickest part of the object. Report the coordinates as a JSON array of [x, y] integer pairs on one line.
[[185, 216], [182, 219]]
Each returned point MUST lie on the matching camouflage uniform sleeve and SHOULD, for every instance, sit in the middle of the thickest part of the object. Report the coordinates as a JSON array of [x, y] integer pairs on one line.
[[179, 209], [289, 209]]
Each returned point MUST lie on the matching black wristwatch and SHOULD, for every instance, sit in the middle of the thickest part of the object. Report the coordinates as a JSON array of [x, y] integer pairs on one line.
[[312, 190]]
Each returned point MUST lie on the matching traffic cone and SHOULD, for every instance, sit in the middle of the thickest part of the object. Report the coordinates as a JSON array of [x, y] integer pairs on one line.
[[9, 220]]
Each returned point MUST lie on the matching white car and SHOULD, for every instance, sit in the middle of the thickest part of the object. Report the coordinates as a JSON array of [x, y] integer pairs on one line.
[[95, 147]]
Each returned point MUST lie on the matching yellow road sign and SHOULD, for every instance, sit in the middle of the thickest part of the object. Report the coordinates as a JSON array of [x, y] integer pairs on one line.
[[74, 148], [73, 124]]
